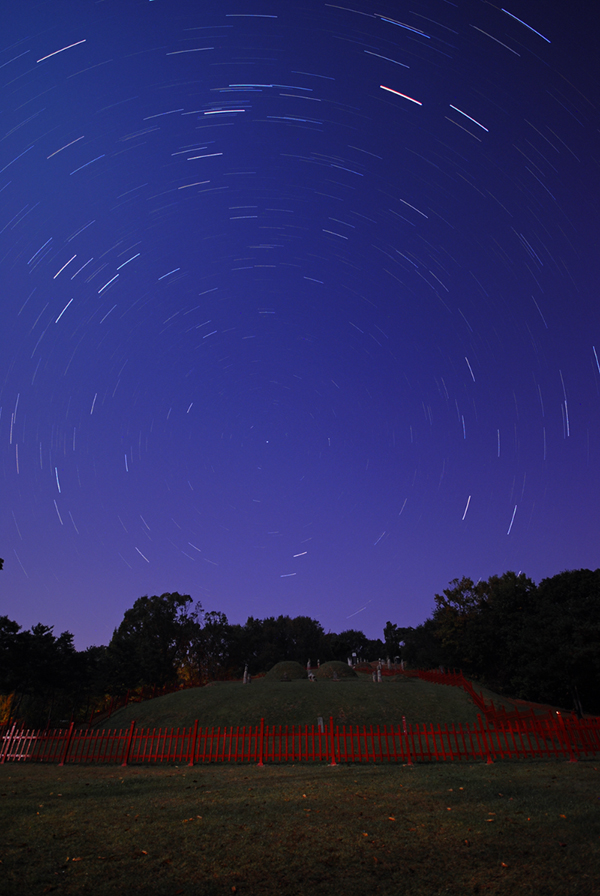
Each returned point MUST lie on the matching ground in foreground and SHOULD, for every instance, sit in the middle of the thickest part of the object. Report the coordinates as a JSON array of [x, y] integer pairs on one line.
[[527, 828]]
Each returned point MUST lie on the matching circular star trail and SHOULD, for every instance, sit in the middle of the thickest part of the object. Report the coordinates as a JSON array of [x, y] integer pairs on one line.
[[298, 305]]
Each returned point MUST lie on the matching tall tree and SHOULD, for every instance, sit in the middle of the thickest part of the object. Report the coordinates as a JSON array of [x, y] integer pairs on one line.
[[344, 645], [152, 640], [40, 669], [495, 633], [263, 642], [391, 638], [559, 659], [420, 647], [479, 624], [210, 649], [9, 671], [455, 609]]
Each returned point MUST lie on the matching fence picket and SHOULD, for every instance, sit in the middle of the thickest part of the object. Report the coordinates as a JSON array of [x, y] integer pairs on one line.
[[552, 737]]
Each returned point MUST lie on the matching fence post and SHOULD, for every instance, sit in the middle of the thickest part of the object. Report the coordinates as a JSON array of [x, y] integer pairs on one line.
[[333, 762], [67, 745], [567, 739], [128, 745], [260, 743], [490, 761], [406, 744], [194, 736]]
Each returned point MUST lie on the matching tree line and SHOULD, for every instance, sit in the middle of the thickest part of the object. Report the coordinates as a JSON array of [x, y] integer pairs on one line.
[[161, 641], [538, 643], [533, 642]]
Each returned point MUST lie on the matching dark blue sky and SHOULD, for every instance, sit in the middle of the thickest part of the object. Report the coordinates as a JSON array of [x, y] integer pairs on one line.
[[299, 305]]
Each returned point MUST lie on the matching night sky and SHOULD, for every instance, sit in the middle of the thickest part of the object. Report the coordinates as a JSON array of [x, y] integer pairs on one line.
[[299, 304]]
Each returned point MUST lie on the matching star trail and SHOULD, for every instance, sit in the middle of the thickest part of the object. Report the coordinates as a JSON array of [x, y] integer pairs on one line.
[[299, 305]]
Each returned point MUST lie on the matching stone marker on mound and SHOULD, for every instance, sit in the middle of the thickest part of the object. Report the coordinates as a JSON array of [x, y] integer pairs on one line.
[[286, 671], [335, 670]]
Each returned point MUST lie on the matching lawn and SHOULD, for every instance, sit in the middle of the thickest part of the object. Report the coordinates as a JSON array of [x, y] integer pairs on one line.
[[526, 828], [349, 702]]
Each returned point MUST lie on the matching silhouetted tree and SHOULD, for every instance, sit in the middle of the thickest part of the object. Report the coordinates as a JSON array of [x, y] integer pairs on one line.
[[559, 643], [152, 641], [39, 669], [420, 647], [210, 649], [538, 643], [392, 640], [342, 646], [263, 642], [9, 673], [479, 625]]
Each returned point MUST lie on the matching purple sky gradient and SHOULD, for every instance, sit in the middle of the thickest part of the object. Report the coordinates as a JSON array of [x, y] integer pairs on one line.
[[282, 339]]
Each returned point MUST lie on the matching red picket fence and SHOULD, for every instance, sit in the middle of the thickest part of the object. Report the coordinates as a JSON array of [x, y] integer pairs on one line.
[[493, 714], [531, 738]]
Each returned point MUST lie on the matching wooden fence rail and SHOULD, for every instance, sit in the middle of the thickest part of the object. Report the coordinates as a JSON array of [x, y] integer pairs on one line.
[[528, 738]]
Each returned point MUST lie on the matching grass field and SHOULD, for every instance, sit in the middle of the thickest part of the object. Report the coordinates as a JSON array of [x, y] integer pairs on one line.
[[350, 702], [509, 829]]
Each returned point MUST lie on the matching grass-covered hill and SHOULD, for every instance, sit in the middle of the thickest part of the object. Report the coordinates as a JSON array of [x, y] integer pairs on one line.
[[334, 669], [287, 670], [356, 701]]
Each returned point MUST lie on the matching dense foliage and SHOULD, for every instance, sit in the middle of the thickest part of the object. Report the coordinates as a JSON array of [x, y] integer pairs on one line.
[[161, 641], [45, 673], [538, 643]]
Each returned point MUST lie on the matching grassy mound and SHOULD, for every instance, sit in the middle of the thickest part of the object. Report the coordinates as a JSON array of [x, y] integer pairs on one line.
[[342, 670], [286, 671], [354, 701]]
